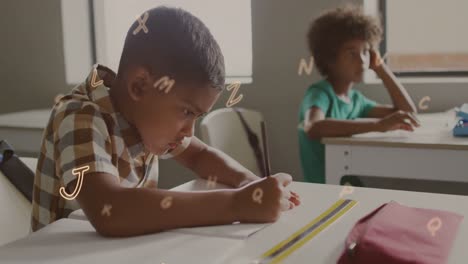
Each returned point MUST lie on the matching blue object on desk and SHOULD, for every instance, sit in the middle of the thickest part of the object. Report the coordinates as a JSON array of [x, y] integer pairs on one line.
[[462, 112], [461, 128], [463, 115]]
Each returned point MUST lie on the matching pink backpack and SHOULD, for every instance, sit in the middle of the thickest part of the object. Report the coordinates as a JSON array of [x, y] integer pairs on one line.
[[394, 233]]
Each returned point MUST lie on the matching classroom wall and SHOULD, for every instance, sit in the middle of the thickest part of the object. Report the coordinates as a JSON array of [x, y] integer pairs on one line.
[[32, 71], [32, 67]]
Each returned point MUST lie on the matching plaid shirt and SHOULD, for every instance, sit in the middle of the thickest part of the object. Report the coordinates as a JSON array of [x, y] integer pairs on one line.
[[85, 130]]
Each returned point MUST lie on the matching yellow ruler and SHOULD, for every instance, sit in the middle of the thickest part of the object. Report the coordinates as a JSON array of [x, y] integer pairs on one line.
[[300, 237]]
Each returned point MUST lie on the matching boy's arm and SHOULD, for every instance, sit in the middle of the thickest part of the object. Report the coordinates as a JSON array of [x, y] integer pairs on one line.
[[400, 98], [119, 211], [137, 211], [207, 161]]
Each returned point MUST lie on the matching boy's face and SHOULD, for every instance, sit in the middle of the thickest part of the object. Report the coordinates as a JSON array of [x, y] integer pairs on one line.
[[164, 120], [351, 61]]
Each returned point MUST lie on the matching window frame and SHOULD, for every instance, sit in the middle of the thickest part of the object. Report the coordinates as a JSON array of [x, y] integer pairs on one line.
[[382, 5], [78, 17]]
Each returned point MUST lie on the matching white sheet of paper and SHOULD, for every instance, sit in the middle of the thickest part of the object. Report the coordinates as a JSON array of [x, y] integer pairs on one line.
[[76, 241], [235, 231]]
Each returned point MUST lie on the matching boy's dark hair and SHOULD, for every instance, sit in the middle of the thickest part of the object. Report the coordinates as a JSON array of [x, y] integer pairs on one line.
[[334, 27], [176, 44]]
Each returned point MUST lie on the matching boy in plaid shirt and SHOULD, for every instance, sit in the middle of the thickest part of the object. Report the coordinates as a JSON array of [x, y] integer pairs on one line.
[[106, 136]]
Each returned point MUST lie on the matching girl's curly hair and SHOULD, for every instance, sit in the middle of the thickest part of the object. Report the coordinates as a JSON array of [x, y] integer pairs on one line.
[[334, 27]]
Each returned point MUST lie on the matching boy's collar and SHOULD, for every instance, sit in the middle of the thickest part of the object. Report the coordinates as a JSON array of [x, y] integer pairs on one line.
[[98, 83], [131, 136]]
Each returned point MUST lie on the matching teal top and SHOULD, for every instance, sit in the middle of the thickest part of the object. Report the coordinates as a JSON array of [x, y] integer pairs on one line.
[[322, 95]]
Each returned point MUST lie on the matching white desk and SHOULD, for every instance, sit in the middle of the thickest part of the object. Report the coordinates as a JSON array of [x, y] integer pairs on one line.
[[74, 241], [23, 130], [429, 153]]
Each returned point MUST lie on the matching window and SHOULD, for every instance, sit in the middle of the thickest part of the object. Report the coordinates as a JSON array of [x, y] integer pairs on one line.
[[423, 38], [94, 32]]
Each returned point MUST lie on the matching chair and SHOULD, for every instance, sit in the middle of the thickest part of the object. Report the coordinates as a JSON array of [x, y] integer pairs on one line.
[[15, 209], [222, 129]]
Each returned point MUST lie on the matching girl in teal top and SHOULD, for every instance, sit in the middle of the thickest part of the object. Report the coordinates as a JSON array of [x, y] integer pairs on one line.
[[330, 106]]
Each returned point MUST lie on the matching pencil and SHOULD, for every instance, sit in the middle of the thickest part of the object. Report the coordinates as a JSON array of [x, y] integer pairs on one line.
[[266, 158]]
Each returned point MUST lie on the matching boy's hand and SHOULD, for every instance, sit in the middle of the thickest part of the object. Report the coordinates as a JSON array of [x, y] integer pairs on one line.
[[265, 199], [398, 120], [375, 59]]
